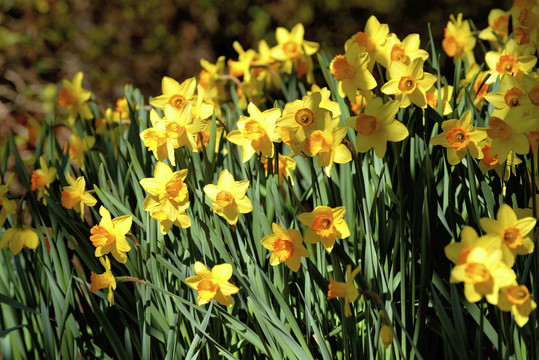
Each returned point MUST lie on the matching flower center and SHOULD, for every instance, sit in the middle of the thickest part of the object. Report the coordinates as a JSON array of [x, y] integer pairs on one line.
[[283, 249], [407, 84], [304, 117], [432, 100], [66, 97], [323, 225], [366, 124], [499, 129], [518, 295], [252, 130], [480, 92], [512, 96], [204, 79], [341, 68], [173, 189], [522, 35], [224, 198], [101, 236], [512, 238], [507, 64], [317, 143], [501, 24], [337, 289], [291, 49], [70, 199], [37, 181], [398, 53], [463, 255], [458, 138], [178, 101], [477, 273], [363, 40], [488, 158], [533, 95], [174, 130], [450, 44]]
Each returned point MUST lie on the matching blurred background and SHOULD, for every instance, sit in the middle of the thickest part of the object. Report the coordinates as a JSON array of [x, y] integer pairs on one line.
[[118, 42]]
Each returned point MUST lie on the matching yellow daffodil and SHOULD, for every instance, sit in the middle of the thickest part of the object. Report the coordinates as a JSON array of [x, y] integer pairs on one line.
[[228, 197], [517, 299], [483, 274], [75, 196], [511, 94], [372, 41], [168, 197], [103, 281], [325, 224], [459, 40], [257, 133], [286, 165], [352, 72], [42, 178], [405, 51], [446, 93], [346, 290], [409, 83], [327, 145], [109, 235], [210, 78], [498, 28], [157, 139], [325, 100], [508, 134], [457, 252], [512, 233], [458, 136], [175, 94], [386, 334], [78, 147], [75, 99], [213, 284], [9, 206], [376, 126], [302, 117], [509, 61], [286, 246], [18, 237]]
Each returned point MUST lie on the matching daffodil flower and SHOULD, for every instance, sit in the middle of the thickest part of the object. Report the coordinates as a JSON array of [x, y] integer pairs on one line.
[[285, 246], [109, 235], [104, 280], [19, 237], [75, 196], [213, 284], [346, 290], [325, 224]]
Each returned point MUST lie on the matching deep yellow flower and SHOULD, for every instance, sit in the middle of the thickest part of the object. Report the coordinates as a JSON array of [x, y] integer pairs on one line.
[[459, 41], [257, 133], [483, 274], [409, 83], [42, 178], [109, 235], [508, 134], [175, 94], [498, 28], [286, 246], [103, 281], [458, 252], [75, 99], [75, 196], [228, 197], [377, 125], [511, 95], [327, 144], [9, 206], [517, 299], [346, 290], [78, 147], [405, 51], [213, 284], [446, 94], [19, 237], [372, 41], [490, 161], [325, 224], [511, 233], [210, 79], [168, 197], [386, 335], [458, 136], [352, 72], [509, 61]]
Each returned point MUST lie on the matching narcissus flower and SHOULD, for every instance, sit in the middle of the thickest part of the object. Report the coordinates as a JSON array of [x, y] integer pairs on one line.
[[510, 232], [483, 274], [42, 178], [376, 126], [75, 196], [446, 93], [325, 224], [78, 147], [352, 72], [109, 235], [103, 281], [405, 51], [458, 38], [386, 334], [372, 41], [19, 237], [511, 94], [458, 252], [228, 197], [9, 206], [346, 290], [409, 83], [168, 197], [517, 299], [327, 144], [175, 94], [286, 246], [75, 99], [213, 284], [257, 133], [458, 136], [498, 28], [509, 61]]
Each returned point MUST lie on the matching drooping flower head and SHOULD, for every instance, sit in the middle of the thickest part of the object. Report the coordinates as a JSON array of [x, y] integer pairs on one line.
[[285, 246], [75, 196], [517, 299], [42, 178], [19, 237], [228, 197], [109, 235], [8, 206], [346, 290], [325, 224], [213, 284], [104, 280]]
